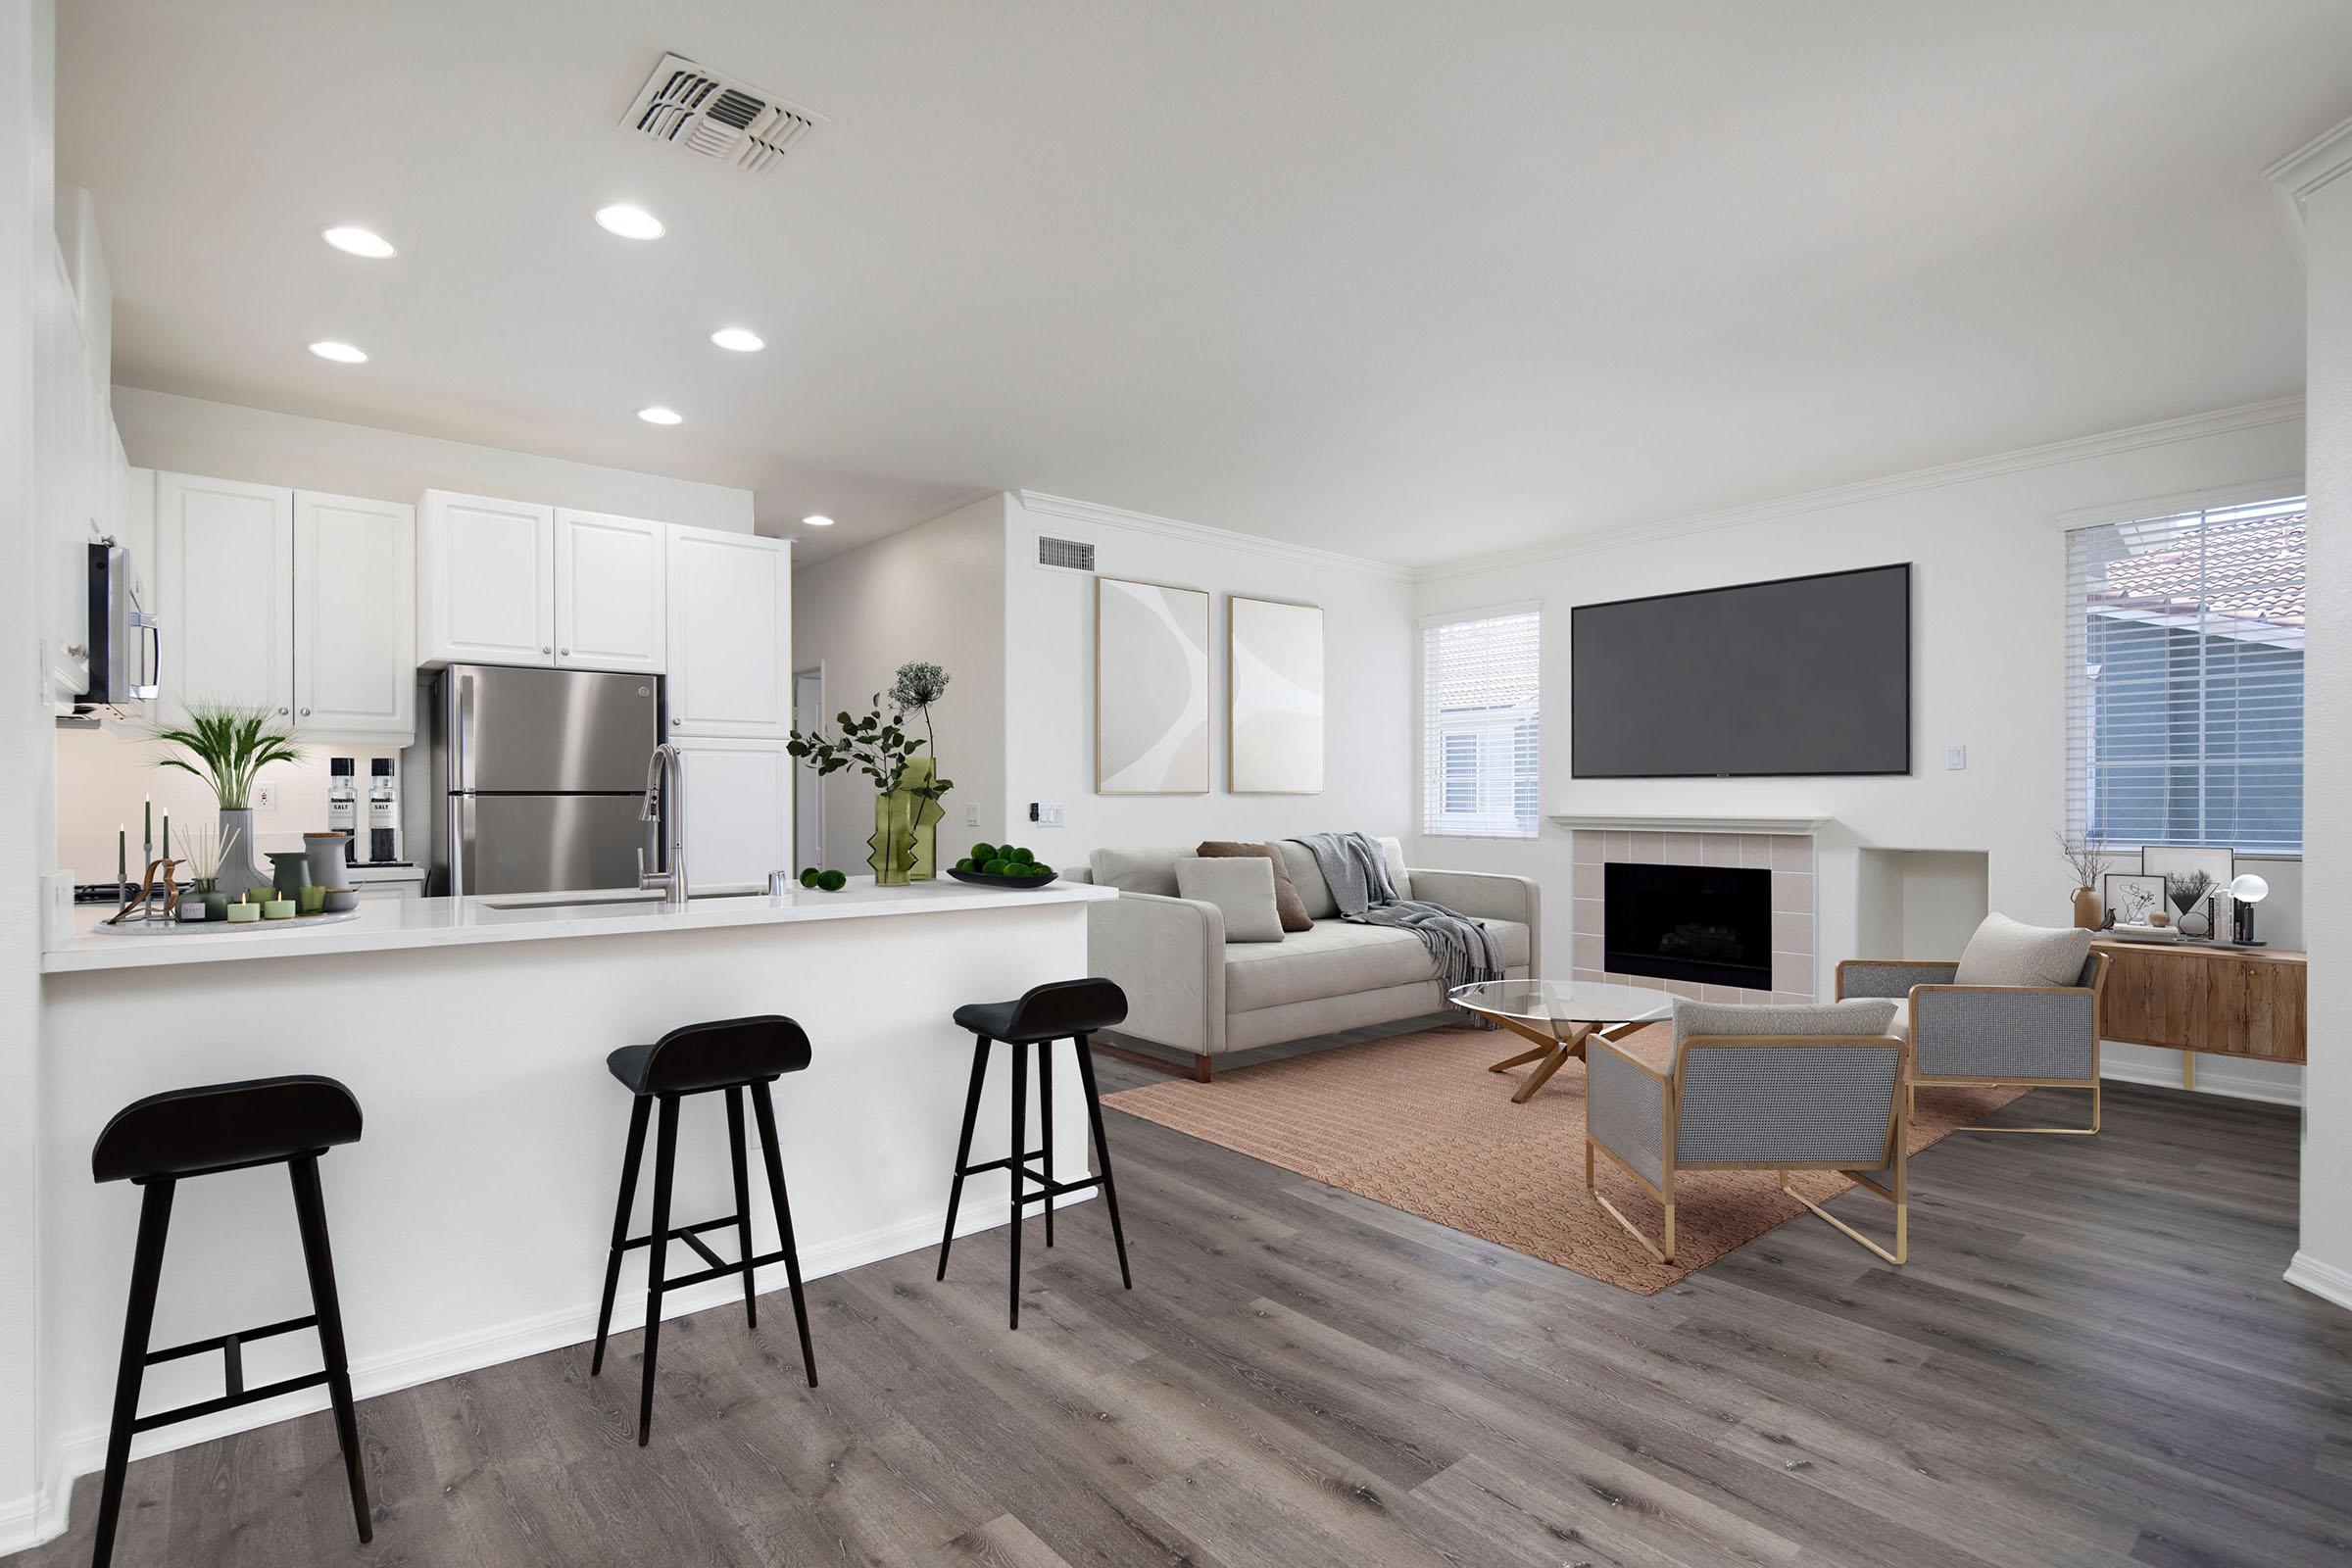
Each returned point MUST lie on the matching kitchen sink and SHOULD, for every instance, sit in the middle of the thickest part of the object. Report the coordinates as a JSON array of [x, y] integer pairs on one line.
[[593, 901]]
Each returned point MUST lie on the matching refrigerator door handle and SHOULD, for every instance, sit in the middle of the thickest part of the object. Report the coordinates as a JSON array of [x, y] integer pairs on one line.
[[461, 731], [461, 842]]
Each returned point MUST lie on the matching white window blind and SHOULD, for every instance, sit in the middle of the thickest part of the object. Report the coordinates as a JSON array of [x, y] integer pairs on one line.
[[1481, 738], [2185, 678]]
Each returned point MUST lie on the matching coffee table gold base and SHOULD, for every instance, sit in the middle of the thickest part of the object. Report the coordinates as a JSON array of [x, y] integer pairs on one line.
[[1554, 1049]]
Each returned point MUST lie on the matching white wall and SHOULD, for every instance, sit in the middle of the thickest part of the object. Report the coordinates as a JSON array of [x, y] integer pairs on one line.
[[26, 44], [2324, 1262], [1988, 655], [225, 441], [1050, 682], [933, 592]]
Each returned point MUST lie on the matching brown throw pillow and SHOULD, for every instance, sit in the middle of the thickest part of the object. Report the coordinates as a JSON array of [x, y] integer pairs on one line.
[[1287, 902]]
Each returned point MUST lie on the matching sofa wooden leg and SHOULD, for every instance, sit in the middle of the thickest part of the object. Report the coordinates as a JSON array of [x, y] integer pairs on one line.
[[1199, 1069]]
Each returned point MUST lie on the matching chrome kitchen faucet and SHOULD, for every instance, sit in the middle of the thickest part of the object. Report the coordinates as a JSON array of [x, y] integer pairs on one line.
[[665, 788]]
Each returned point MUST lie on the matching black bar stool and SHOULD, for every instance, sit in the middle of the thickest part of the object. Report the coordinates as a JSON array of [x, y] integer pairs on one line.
[[1070, 1010], [154, 1143], [733, 1054]]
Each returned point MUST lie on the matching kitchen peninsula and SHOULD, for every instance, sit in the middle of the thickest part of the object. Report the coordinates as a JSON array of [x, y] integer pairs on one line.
[[471, 1220]]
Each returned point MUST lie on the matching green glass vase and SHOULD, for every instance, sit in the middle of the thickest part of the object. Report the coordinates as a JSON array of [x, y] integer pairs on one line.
[[905, 846]]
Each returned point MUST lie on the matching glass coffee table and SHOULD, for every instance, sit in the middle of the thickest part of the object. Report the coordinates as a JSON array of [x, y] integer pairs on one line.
[[1559, 1015]]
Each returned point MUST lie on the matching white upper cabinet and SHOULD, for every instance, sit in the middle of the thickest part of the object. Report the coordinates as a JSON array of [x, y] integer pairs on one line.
[[739, 810], [610, 592], [225, 567], [354, 615], [485, 581], [730, 634]]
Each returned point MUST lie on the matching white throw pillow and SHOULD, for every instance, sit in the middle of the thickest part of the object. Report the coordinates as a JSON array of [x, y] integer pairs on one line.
[[2006, 953], [1241, 887]]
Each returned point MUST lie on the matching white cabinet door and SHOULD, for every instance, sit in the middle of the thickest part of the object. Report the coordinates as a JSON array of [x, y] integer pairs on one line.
[[355, 616], [738, 811], [730, 634], [610, 595], [224, 564], [485, 580]]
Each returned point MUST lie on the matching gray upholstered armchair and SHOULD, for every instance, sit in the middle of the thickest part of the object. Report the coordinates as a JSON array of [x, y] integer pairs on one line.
[[2037, 1035], [1756, 1088]]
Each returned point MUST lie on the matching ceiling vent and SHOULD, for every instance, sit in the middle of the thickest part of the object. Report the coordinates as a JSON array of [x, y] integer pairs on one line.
[[1065, 555], [716, 117]]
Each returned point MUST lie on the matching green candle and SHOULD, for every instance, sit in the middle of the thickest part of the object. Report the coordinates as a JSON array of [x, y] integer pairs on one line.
[[122, 853], [166, 835], [147, 827]]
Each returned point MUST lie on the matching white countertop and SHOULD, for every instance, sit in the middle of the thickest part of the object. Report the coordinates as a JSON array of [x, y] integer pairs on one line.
[[390, 925]]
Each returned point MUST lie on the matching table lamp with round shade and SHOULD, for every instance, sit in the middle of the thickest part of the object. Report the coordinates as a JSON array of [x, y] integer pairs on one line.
[[2244, 893]]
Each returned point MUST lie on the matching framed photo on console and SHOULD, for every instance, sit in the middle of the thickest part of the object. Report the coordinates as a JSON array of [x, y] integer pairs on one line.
[[2130, 897]]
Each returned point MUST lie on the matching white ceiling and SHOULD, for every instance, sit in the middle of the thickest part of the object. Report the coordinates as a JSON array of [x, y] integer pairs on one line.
[[1410, 281]]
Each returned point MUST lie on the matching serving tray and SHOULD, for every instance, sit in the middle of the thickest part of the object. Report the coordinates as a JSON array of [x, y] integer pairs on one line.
[[194, 928]]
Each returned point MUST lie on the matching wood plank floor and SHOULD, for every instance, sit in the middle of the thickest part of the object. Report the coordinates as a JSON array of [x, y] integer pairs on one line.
[[2091, 1359]]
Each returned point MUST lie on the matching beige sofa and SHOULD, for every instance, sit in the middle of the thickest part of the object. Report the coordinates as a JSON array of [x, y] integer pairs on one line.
[[1190, 990]]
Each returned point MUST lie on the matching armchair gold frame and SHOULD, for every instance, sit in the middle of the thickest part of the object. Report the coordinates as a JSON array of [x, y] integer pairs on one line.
[[1893, 1156], [1921, 1001]]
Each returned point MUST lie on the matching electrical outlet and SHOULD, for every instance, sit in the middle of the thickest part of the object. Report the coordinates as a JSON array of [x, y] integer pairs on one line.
[[264, 797], [1955, 757], [971, 816]]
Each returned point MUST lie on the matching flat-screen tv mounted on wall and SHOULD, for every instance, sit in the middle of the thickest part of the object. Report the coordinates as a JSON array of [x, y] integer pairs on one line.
[[1802, 676]]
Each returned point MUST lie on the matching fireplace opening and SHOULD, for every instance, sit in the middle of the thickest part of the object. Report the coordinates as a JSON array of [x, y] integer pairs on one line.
[[1711, 925]]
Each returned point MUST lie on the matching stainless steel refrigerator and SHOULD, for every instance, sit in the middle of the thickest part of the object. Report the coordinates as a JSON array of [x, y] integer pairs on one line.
[[538, 778]]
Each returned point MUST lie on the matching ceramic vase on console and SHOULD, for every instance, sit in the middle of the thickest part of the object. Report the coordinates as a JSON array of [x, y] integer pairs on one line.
[[289, 869], [330, 868], [238, 870], [2090, 913]]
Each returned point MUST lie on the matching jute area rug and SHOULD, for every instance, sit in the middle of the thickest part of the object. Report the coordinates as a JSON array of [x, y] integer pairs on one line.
[[1416, 1122]]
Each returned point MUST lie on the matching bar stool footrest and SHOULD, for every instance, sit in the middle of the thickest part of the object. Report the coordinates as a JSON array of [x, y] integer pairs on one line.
[[1003, 1163], [683, 1233], [230, 1402], [1048, 1188], [722, 1270]]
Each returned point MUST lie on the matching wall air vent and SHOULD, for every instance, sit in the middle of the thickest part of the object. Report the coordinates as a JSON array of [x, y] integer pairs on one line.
[[1065, 555], [716, 117]]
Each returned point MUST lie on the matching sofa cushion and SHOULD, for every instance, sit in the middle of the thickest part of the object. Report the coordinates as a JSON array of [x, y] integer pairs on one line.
[[1287, 906], [1335, 958], [1138, 870], [1314, 894], [1242, 888], [1856, 1015], [2009, 952]]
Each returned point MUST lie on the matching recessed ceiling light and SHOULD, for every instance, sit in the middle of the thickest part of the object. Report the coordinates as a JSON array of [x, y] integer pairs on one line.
[[360, 242], [660, 416], [629, 222], [742, 339], [340, 353], [818, 522]]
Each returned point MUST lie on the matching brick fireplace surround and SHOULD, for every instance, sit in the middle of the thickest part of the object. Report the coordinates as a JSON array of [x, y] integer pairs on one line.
[[1789, 857]]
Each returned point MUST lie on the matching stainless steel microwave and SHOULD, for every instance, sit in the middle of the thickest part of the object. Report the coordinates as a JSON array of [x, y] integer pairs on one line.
[[127, 644]]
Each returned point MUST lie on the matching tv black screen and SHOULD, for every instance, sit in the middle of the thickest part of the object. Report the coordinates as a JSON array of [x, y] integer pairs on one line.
[[1807, 675]]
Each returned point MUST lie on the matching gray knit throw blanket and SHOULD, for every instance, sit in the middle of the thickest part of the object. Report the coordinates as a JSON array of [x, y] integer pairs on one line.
[[1358, 874]]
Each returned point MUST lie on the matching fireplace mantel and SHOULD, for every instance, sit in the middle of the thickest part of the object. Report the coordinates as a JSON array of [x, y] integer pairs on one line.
[[1654, 822]]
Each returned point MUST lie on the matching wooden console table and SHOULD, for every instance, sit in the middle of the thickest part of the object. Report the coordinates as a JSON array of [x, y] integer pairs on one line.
[[2191, 997]]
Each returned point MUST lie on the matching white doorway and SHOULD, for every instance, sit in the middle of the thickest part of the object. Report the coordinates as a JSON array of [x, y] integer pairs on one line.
[[808, 800]]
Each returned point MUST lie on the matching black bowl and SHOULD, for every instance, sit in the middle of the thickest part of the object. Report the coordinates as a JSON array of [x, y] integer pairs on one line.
[[984, 879]]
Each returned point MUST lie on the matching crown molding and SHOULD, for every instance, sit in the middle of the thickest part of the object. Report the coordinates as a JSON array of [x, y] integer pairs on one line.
[[2164, 432], [2295, 178], [1038, 503]]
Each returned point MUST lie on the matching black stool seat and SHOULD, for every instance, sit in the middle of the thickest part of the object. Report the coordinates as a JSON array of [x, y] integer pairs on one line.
[[164, 1138], [1059, 1011], [713, 1055], [739, 1056], [1065, 1009], [194, 1132]]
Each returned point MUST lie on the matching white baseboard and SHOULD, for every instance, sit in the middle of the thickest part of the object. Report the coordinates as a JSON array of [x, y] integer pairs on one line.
[[28, 1521], [2223, 1083], [2326, 1281]]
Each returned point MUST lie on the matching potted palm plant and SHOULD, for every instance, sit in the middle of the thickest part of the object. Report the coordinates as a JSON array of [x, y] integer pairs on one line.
[[228, 746]]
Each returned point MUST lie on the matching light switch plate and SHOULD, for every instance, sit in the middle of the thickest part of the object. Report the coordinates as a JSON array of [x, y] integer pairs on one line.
[[1955, 757], [971, 816]]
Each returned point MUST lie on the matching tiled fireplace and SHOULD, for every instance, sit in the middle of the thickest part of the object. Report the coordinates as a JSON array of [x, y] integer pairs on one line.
[[1786, 857]]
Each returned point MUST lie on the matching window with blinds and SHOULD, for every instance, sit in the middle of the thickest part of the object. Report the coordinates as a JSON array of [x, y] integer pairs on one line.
[[1481, 739], [2185, 678]]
